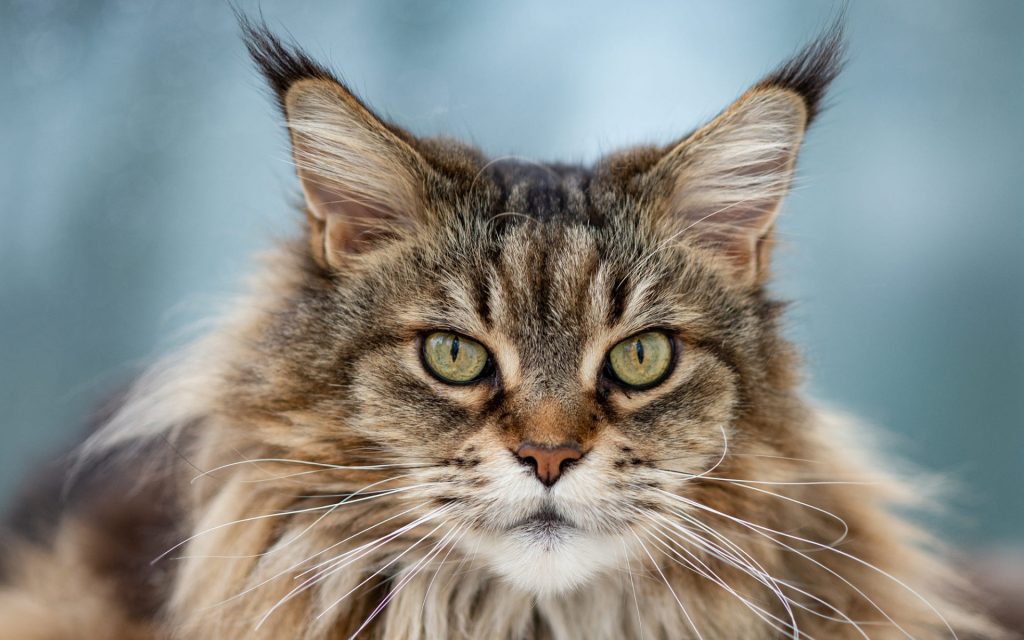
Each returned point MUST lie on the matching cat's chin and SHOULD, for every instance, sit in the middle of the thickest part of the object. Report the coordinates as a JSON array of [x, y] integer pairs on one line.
[[550, 560]]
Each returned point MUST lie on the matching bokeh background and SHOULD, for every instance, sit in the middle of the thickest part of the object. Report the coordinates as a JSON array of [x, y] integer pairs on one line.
[[142, 165]]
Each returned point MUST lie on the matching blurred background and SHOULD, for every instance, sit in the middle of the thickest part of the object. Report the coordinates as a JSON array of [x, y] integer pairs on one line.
[[142, 165]]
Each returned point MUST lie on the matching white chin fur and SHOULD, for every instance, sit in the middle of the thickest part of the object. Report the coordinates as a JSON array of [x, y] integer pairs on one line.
[[550, 563]]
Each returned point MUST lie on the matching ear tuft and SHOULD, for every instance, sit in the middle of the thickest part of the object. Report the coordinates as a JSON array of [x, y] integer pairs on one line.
[[813, 69], [281, 63]]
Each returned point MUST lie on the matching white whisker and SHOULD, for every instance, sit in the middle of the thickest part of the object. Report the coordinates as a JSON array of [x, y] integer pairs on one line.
[[381, 570], [451, 548], [753, 563], [707, 573], [632, 584], [412, 573], [318, 553], [367, 548], [765, 531], [328, 507], [667, 584], [321, 465], [846, 528]]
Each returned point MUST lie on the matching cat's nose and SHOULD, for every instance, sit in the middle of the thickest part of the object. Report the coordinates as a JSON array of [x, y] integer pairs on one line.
[[548, 462]]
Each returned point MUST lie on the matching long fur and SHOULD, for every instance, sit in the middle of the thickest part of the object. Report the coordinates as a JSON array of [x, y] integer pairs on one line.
[[299, 474]]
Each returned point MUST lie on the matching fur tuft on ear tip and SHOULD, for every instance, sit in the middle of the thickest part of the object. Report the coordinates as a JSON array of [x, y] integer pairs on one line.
[[281, 63], [813, 69]]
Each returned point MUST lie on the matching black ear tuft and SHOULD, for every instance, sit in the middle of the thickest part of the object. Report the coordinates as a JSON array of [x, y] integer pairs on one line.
[[811, 71], [282, 63]]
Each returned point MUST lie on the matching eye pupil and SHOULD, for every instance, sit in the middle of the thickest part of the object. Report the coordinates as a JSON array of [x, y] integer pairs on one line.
[[453, 358], [641, 361]]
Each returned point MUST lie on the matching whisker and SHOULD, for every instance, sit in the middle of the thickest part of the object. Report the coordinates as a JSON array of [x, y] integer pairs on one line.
[[322, 465], [705, 472], [342, 560], [381, 570], [753, 563], [761, 577], [234, 522], [798, 483], [349, 499], [825, 512], [632, 583], [764, 531], [471, 558], [451, 548], [318, 553], [744, 562], [494, 161], [671, 590], [265, 516], [775, 457], [514, 214], [317, 578], [413, 572]]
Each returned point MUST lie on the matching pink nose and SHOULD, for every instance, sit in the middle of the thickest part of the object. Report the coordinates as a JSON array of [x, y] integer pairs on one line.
[[548, 462]]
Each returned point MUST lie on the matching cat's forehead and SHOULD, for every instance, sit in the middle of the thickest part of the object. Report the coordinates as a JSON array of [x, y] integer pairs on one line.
[[527, 280], [549, 296], [551, 193]]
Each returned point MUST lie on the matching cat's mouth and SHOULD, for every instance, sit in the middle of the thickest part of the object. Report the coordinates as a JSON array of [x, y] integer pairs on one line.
[[545, 522], [546, 551]]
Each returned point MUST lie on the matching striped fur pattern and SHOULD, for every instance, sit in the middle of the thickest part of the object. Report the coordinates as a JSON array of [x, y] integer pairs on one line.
[[299, 474]]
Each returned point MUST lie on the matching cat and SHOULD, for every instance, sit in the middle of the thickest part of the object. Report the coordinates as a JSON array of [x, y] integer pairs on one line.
[[493, 399]]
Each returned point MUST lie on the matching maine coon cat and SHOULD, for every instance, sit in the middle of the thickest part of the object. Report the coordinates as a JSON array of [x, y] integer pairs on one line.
[[493, 399]]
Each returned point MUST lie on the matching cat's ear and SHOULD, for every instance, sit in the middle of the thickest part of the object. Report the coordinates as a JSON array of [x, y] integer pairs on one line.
[[362, 179], [722, 186]]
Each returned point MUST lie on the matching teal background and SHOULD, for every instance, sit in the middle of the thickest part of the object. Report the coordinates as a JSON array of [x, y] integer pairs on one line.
[[142, 165]]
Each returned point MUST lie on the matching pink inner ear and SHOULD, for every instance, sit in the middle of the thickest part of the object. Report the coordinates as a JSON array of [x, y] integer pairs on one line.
[[735, 231], [727, 222], [351, 226]]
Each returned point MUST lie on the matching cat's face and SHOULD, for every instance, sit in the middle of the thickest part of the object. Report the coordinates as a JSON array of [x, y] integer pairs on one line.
[[544, 354], [548, 302]]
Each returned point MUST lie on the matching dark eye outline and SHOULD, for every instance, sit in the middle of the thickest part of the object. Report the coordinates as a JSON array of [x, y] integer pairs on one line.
[[609, 371], [486, 372]]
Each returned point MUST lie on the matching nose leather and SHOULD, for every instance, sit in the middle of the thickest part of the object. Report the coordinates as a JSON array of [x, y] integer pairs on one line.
[[548, 462]]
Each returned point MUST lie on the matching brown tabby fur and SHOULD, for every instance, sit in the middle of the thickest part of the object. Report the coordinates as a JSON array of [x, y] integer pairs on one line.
[[719, 504]]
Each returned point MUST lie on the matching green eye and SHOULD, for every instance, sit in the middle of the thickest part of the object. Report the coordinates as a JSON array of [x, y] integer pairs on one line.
[[641, 361], [453, 358]]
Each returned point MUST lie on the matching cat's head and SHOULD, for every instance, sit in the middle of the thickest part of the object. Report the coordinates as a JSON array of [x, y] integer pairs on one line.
[[545, 354]]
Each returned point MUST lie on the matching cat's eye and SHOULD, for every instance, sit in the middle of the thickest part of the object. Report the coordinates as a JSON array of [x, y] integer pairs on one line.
[[641, 361], [454, 358]]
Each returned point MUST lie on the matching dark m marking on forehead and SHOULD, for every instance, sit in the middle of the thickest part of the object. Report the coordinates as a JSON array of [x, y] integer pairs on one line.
[[589, 270], [483, 298], [619, 289], [542, 278], [544, 192]]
